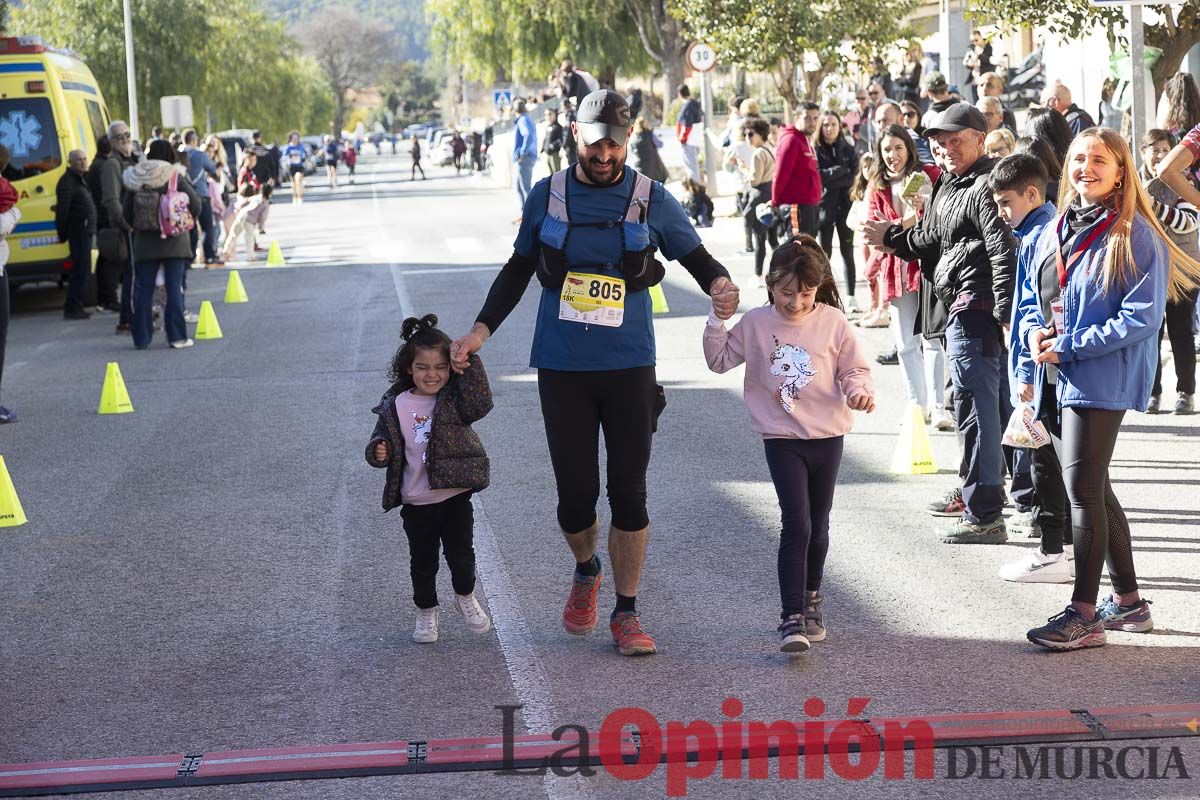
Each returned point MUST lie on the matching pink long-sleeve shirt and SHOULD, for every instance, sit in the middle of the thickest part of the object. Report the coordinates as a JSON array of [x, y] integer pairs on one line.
[[798, 374]]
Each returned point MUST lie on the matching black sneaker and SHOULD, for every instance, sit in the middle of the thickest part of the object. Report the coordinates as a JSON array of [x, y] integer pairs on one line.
[[7, 416], [1069, 630], [965, 532], [888, 359], [76, 313], [949, 506], [791, 630]]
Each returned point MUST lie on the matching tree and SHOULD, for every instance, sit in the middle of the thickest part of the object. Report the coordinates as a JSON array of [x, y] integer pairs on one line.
[[664, 37], [524, 40], [348, 50], [187, 51], [777, 36], [1176, 34]]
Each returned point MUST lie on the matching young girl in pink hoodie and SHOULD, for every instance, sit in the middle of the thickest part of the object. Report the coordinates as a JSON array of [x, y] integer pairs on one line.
[[805, 372]]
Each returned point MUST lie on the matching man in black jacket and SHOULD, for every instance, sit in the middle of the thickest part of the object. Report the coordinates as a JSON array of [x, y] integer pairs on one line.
[[969, 255], [552, 144], [75, 220]]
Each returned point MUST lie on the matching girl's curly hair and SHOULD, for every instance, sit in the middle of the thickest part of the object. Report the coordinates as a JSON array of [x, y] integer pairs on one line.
[[417, 334]]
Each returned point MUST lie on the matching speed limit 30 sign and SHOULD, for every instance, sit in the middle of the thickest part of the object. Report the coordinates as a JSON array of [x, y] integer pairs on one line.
[[701, 57]]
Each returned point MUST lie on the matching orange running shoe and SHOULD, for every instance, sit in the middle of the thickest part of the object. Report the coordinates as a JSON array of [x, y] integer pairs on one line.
[[579, 617], [628, 636]]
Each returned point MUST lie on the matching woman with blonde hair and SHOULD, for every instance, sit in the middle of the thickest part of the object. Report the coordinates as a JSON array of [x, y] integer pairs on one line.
[[1091, 315], [1000, 143]]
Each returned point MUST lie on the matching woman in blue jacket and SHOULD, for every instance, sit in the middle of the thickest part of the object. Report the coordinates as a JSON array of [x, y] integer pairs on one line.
[[1090, 312]]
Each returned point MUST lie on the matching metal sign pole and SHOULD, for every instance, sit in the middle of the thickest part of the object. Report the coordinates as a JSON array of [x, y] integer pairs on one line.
[[710, 151], [1137, 63]]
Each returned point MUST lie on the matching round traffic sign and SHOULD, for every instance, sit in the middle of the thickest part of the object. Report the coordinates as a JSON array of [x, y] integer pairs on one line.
[[701, 57]]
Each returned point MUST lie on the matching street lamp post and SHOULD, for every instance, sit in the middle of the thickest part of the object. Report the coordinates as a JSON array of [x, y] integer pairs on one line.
[[129, 74]]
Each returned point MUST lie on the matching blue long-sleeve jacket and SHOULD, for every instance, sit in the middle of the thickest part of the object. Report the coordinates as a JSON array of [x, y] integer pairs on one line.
[[1108, 349], [525, 143], [1020, 363]]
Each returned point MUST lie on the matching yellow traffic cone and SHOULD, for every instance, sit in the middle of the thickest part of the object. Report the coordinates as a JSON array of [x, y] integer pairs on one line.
[[235, 292], [913, 455], [114, 397], [658, 300], [207, 326], [275, 255], [11, 513]]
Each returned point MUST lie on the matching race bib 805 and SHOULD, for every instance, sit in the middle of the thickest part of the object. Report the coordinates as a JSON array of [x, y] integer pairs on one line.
[[592, 299]]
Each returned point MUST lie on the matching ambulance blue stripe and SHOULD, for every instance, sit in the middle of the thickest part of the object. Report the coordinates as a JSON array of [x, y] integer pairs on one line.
[[33, 227], [23, 67]]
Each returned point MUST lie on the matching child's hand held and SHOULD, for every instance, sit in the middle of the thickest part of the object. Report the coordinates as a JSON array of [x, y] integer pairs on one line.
[[381, 452]]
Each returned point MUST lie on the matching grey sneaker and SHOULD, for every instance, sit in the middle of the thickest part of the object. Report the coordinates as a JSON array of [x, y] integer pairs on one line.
[[1184, 405], [814, 626], [965, 532], [791, 630], [1153, 406], [1134, 618], [1069, 631]]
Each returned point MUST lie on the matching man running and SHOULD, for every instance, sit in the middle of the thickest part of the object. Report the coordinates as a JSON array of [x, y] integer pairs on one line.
[[589, 232]]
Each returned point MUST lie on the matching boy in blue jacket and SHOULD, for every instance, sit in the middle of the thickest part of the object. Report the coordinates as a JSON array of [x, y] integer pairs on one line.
[[1019, 188]]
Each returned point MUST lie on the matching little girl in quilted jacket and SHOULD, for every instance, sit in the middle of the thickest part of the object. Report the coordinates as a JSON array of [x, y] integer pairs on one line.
[[434, 462]]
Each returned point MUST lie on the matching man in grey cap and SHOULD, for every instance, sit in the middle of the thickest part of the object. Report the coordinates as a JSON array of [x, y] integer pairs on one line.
[[968, 254], [589, 233]]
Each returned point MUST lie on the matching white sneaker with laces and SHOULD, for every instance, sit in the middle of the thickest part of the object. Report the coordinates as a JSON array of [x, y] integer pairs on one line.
[[191, 316], [1038, 567], [181, 344], [427, 625], [473, 613], [942, 421]]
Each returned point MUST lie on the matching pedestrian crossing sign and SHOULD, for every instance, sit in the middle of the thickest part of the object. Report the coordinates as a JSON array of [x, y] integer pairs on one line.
[[502, 98]]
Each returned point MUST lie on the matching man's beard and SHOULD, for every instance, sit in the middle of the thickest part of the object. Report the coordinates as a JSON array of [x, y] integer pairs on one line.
[[618, 172]]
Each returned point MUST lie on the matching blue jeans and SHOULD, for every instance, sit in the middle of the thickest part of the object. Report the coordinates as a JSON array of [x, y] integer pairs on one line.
[[143, 300], [691, 162], [525, 165], [973, 345], [212, 230]]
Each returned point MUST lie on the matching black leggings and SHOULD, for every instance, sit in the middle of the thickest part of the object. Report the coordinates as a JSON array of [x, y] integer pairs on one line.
[[760, 194], [1053, 508], [576, 406], [1101, 531], [804, 472], [452, 523], [845, 241], [1178, 327]]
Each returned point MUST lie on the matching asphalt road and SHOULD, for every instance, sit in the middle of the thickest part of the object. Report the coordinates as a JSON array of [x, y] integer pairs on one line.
[[214, 571]]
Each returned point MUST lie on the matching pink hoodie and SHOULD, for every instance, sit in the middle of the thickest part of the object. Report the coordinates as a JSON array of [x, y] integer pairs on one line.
[[798, 374]]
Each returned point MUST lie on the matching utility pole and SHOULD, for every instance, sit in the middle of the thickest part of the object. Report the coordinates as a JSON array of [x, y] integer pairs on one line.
[[129, 75]]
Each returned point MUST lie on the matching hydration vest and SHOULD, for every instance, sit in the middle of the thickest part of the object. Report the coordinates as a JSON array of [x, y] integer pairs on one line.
[[637, 266]]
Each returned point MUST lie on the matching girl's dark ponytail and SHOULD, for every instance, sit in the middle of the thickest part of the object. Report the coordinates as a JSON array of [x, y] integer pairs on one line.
[[412, 326]]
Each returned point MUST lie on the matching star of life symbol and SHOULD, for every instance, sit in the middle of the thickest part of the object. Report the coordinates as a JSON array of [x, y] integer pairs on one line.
[[20, 133]]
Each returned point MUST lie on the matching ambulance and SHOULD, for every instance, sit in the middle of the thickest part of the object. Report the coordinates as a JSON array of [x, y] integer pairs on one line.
[[49, 105]]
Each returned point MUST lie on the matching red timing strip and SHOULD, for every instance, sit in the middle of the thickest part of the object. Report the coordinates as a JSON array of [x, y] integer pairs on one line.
[[487, 752]]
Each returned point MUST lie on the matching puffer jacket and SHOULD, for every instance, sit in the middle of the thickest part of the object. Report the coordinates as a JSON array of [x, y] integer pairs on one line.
[[455, 458], [1109, 348], [962, 243], [152, 175], [838, 164]]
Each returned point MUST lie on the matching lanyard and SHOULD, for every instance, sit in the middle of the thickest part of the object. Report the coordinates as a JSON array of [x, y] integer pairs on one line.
[[1077, 251]]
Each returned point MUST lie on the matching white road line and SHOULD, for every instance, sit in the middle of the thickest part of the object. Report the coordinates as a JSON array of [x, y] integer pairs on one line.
[[452, 270], [525, 669], [465, 245]]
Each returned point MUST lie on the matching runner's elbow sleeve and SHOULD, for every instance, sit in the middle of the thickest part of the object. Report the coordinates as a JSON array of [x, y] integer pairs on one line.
[[704, 268]]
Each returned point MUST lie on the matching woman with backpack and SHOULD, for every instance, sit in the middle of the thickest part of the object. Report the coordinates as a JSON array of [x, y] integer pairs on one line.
[[161, 206]]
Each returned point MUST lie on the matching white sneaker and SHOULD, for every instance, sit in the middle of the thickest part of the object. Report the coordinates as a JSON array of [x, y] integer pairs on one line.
[[1038, 567], [942, 421], [427, 625], [851, 305], [182, 343], [191, 316], [473, 613]]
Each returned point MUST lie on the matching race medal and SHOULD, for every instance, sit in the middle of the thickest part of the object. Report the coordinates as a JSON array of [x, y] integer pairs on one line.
[[592, 299]]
